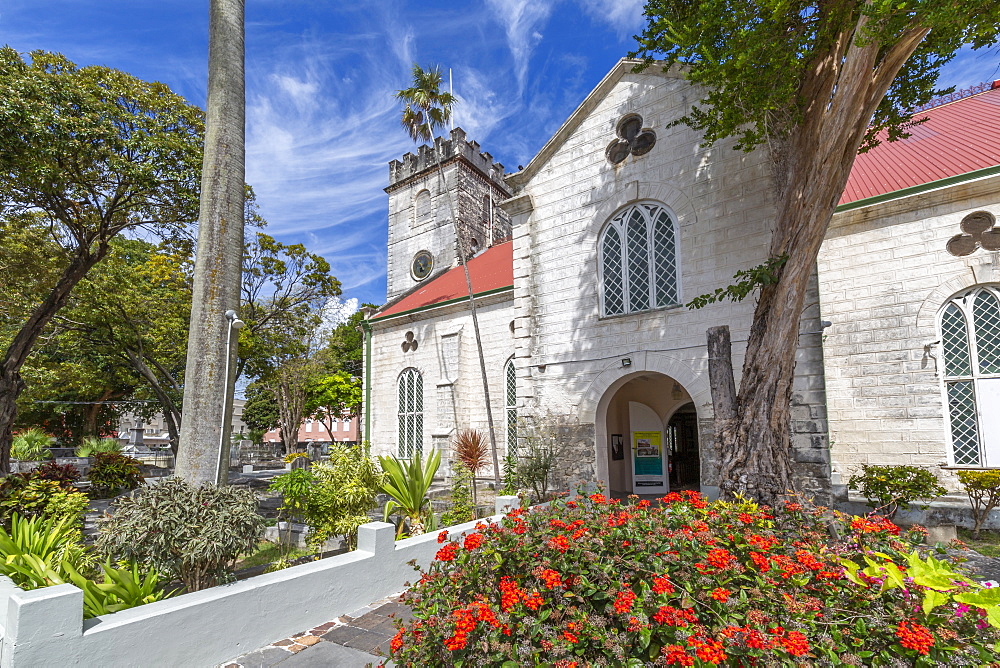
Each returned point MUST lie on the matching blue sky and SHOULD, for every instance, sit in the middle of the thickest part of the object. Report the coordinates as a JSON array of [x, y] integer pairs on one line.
[[321, 119]]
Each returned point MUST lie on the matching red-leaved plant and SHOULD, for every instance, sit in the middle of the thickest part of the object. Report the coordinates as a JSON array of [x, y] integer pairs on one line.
[[686, 582]]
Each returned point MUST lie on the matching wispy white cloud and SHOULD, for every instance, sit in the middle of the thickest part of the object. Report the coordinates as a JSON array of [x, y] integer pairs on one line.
[[523, 21], [624, 16]]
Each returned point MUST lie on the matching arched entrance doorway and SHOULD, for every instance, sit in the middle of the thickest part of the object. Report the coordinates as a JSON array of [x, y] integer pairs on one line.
[[652, 430]]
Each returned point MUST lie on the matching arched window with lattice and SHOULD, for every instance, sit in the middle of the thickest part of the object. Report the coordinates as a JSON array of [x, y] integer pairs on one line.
[[510, 405], [411, 413], [638, 260], [970, 351]]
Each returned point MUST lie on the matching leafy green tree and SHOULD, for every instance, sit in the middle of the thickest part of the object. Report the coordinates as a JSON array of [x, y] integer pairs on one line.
[[426, 108], [260, 412], [92, 152], [813, 82], [134, 307], [330, 397], [284, 289]]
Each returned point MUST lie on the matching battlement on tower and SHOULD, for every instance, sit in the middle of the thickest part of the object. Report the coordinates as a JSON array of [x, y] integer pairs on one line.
[[428, 156]]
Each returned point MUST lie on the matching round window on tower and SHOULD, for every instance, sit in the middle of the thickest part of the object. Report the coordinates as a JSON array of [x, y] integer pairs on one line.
[[422, 265]]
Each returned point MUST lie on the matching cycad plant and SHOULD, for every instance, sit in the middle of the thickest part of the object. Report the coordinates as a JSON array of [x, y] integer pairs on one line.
[[473, 452], [408, 482], [91, 445], [31, 445]]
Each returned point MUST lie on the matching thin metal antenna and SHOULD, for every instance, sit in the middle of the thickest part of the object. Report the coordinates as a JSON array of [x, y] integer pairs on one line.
[[451, 90]]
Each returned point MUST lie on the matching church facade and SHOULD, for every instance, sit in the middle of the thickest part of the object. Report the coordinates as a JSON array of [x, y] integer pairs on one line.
[[582, 262]]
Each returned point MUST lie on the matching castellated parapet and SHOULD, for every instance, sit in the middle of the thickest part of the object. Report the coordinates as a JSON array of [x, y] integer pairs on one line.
[[428, 157]]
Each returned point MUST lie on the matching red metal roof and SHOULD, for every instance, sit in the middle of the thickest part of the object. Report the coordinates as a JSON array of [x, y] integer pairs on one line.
[[490, 270], [959, 137]]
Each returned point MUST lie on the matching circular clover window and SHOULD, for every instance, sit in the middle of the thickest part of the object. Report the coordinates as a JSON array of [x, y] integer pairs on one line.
[[423, 263]]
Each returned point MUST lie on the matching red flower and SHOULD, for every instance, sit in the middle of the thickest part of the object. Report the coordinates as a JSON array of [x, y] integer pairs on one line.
[[708, 650], [472, 541], [795, 643], [671, 616], [676, 655], [914, 636], [447, 553], [509, 594], [560, 543], [570, 637], [396, 643], [662, 586], [761, 561], [720, 594], [533, 601], [624, 601], [599, 499], [551, 578], [443, 536], [719, 558]]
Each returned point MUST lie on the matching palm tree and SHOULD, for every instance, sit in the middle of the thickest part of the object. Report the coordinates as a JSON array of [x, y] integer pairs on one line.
[[427, 108], [208, 381]]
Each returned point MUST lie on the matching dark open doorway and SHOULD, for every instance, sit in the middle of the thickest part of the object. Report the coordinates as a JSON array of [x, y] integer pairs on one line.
[[682, 441]]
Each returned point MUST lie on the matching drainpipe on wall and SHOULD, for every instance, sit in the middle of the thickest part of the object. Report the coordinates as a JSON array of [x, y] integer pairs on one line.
[[367, 329]]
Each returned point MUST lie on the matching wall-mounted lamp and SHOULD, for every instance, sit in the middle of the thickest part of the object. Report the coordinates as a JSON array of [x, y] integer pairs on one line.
[[626, 362]]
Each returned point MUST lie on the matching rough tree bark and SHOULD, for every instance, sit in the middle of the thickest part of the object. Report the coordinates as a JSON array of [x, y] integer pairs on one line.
[[812, 165], [219, 258]]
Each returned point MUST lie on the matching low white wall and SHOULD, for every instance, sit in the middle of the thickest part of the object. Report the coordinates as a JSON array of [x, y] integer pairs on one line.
[[45, 627]]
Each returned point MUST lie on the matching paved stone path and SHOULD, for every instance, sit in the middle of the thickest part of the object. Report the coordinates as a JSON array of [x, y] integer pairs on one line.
[[353, 641]]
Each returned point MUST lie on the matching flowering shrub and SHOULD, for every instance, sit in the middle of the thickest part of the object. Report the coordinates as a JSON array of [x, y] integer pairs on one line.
[[292, 456], [686, 582]]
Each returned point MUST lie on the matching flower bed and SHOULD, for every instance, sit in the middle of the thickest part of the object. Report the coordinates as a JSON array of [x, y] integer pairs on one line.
[[692, 583]]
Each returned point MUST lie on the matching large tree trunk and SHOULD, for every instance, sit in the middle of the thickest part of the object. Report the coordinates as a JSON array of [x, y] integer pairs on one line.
[[290, 394], [11, 383], [218, 264], [812, 167]]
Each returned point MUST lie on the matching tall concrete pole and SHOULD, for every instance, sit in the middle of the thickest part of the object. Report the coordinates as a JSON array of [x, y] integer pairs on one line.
[[219, 257]]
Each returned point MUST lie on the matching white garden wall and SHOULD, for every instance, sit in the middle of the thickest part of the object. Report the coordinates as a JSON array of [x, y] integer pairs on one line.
[[45, 627]]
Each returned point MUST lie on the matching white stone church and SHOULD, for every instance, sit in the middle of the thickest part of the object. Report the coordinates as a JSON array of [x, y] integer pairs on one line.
[[582, 261]]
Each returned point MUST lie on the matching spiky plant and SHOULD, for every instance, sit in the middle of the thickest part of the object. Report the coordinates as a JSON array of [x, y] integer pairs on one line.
[[473, 451]]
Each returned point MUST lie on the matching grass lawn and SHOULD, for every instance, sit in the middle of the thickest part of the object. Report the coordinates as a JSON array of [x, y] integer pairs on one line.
[[988, 543], [268, 552]]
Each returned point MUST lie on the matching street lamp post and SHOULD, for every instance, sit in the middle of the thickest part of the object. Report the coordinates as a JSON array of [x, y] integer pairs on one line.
[[235, 324]]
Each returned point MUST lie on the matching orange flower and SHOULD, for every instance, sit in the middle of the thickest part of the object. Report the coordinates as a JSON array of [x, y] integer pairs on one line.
[[720, 594], [914, 636]]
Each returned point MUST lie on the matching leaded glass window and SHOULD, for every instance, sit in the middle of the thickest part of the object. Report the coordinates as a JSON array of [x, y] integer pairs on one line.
[[970, 347], [510, 403], [638, 260], [411, 414]]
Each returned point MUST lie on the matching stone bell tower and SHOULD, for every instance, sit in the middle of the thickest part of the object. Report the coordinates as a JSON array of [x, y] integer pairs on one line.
[[450, 179]]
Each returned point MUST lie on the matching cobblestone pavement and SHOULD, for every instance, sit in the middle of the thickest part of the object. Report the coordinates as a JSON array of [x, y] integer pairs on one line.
[[352, 641]]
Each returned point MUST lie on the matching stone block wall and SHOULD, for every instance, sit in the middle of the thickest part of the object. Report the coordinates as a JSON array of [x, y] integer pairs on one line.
[[568, 355], [447, 358], [425, 196], [884, 275]]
